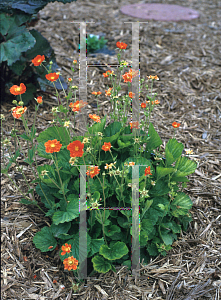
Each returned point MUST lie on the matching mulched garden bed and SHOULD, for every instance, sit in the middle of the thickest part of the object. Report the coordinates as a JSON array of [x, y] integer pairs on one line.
[[186, 56]]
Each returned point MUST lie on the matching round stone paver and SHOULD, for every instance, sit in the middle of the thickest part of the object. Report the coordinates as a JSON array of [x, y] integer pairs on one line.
[[159, 12]]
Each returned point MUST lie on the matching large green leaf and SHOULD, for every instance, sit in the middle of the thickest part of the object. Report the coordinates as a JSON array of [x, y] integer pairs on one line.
[[27, 6], [116, 251], [55, 132], [181, 205], [173, 151], [59, 229], [111, 230], [161, 172], [147, 205], [184, 167], [16, 39], [154, 141], [44, 239], [100, 264], [72, 212], [95, 246]]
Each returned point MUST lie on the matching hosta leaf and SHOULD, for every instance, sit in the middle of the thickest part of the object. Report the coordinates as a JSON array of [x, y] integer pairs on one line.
[[118, 250], [44, 239]]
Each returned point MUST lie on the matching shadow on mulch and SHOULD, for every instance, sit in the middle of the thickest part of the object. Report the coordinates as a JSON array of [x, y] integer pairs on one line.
[[186, 58]]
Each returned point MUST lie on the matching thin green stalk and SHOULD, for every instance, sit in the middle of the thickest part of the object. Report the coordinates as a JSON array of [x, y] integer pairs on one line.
[[62, 187]]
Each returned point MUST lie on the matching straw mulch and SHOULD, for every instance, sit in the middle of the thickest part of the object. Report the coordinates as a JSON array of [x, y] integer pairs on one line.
[[187, 58]]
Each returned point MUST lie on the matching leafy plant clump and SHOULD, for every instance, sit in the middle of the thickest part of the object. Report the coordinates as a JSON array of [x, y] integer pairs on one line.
[[19, 45], [94, 43], [110, 153]]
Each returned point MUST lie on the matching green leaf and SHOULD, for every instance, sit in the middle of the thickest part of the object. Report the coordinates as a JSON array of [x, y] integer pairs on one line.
[[44, 239], [185, 166], [154, 141], [161, 172], [72, 212], [100, 264], [111, 230], [55, 132], [25, 137], [28, 202], [116, 251], [167, 238], [97, 127], [127, 263], [41, 151], [16, 40], [146, 207], [173, 151], [102, 221], [59, 229], [181, 205], [95, 246]]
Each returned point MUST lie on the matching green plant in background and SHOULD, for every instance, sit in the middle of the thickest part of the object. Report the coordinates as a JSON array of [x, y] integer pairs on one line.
[[94, 43], [19, 45], [109, 152]]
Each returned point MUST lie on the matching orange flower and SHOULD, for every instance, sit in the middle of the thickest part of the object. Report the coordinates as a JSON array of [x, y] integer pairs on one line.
[[18, 90], [131, 95], [52, 146], [38, 60], [133, 73], [70, 79], [156, 102], [39, 100], [18, 111], [131, 163], [92, 171], [66, 249], [134, 124], [143, 105], [121, 45], [95, 118], [176, 125], [52, 76], [127, 77], [153, 77], [107, 73], [70, 263], [76, 149], [74, 62], [106, 146], [78, 105], [50, 247], [96, 93], [108, 92], [147, 171]]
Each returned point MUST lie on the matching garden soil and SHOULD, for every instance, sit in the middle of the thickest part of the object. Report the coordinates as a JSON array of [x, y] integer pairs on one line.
[[186, 56]]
